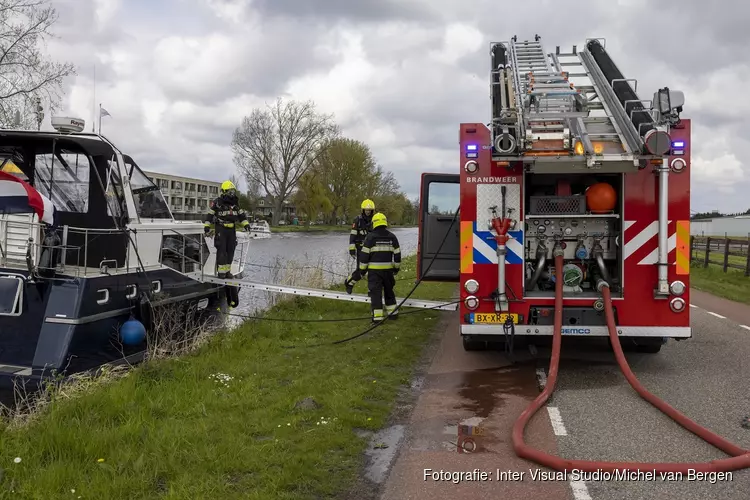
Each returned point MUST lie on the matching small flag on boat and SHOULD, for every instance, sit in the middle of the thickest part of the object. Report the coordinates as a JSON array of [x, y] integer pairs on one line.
[[19, 197]]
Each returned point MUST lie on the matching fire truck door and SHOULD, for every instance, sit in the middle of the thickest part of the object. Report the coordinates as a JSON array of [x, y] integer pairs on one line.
[[440, 197]]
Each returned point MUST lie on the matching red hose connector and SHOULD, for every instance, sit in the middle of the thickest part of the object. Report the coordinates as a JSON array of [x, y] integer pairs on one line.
[[501, 227], [740, 458]]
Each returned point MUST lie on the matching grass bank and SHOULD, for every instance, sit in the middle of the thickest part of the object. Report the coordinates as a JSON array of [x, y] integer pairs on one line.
[[222, 422], [732, 285]]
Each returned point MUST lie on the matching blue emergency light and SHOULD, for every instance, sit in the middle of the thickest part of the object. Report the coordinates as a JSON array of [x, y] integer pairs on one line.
[[471, 147], [678, 144]]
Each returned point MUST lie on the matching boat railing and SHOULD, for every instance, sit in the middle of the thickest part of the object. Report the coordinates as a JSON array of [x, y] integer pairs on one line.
[[22, 240]]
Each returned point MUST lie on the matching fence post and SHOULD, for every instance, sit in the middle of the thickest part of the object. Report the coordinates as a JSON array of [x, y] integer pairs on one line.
[[692, 246], [726, 254], [747, 263], [708, 250]]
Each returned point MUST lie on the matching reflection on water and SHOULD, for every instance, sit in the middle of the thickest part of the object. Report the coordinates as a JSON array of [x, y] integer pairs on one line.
[[297, 254]]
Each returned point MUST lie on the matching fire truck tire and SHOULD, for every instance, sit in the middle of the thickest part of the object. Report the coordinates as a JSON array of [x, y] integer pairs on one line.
[[470, 344]]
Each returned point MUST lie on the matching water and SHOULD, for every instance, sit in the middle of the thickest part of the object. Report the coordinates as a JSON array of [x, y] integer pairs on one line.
[[299, 253], [304, 253]]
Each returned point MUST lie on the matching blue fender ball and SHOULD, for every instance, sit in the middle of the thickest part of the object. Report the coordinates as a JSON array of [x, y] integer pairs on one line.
[[132, 332]]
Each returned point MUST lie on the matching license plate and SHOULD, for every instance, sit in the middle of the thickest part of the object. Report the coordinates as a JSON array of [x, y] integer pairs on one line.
[[494, 318]]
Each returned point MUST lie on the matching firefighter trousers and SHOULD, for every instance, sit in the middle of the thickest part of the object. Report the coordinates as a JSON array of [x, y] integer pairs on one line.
[[225, 242], [356, 275], [381, 283]]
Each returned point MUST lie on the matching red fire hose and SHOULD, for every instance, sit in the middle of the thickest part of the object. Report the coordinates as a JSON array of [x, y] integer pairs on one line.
[[740, 460]]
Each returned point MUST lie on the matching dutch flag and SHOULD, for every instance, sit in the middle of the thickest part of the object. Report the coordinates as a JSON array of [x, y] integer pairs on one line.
[[19, 197]]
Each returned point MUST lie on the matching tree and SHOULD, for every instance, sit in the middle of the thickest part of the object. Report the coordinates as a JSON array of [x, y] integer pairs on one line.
[[311, 196], [275, 146], [27, 77], [344, 167]]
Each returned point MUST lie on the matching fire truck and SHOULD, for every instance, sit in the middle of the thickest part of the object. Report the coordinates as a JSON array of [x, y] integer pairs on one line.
[[575, 179]]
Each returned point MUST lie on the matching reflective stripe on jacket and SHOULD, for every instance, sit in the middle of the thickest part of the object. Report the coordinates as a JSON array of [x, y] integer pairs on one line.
[[380, 251]]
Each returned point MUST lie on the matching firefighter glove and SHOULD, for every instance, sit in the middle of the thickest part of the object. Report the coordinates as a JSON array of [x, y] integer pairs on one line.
[[353, 252]]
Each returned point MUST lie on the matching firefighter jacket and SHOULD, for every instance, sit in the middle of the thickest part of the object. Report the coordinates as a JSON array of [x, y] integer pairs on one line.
[[222, 214], [361, 226], [380, 251]]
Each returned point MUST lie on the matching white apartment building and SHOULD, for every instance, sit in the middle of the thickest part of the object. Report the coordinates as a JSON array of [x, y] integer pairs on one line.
[[187, 197]]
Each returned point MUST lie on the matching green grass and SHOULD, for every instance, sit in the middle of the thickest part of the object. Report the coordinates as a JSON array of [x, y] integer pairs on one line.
[[170, 430], [732, 285]]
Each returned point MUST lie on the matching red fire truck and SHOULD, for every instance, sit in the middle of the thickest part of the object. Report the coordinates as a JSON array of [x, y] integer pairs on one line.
[[574, 168]]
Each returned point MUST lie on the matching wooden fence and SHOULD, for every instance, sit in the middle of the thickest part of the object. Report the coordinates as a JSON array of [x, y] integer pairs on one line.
[[731, 253]]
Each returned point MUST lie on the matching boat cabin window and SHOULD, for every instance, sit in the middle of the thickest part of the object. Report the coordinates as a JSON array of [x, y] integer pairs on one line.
[[115, 197], [149, 201], [63, 177]]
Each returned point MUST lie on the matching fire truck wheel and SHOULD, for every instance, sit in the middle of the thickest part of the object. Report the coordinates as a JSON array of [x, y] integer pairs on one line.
[[648, 348], [641, 345], [473, 345]]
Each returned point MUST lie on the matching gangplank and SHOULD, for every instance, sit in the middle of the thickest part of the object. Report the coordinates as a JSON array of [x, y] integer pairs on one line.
[[324, 294]]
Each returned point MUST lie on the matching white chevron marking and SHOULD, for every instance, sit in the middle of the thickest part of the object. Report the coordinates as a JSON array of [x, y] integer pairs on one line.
[[653, 257], [641, 238]]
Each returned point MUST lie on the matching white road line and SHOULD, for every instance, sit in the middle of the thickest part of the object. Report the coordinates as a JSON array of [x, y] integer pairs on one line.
[[541, 377], [580, 492], [745, 327], [717, 315], [693, 306], [556, 419]]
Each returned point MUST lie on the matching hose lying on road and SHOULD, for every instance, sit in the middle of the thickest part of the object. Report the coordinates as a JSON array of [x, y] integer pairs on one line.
[[740, 458]]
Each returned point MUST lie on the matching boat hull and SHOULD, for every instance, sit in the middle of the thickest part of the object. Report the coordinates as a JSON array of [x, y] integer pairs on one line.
[[66, 327]]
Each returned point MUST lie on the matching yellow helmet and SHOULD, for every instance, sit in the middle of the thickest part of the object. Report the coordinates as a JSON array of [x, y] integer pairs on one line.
[[227, 185], [379, 220], [368, 205]]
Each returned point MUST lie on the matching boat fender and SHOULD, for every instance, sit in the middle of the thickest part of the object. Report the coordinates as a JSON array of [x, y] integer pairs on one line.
[[132, 332]]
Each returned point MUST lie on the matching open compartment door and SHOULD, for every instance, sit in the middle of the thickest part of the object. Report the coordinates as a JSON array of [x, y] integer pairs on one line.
[[440, 197]]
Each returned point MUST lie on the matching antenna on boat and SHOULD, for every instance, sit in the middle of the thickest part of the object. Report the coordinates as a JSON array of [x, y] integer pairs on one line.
[[68, 125], [93, 105]]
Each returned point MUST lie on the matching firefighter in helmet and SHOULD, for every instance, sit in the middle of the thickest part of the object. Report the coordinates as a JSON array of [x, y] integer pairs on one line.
[[380, 258], [360, 227], [224, 218]]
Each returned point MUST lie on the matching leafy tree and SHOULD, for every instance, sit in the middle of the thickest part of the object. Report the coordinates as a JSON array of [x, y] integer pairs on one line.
[[311, 197]]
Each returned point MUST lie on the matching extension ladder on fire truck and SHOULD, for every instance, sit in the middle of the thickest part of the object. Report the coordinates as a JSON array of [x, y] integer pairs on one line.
[[541, 116], [325, 294]]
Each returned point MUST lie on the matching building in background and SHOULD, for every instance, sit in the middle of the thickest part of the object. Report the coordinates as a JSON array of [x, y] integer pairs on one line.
[[730, 225], [187, 197]]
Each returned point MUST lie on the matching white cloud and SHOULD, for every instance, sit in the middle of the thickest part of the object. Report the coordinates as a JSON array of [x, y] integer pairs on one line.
[[179, 75]]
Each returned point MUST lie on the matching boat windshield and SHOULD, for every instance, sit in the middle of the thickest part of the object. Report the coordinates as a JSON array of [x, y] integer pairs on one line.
[[149, 200]]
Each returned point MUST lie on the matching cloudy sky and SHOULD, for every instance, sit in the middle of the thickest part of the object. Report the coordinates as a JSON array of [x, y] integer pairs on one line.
[[177, 76]]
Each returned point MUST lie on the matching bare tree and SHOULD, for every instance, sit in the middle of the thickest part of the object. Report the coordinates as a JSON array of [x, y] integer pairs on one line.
[[27, 77], [274, 147]]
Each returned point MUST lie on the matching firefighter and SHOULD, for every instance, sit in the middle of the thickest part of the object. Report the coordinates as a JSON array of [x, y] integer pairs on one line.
[[380, 259], [225, 217], [360, 227]]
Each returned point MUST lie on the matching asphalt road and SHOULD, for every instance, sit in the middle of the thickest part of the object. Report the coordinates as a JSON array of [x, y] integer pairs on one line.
[[593, 414]]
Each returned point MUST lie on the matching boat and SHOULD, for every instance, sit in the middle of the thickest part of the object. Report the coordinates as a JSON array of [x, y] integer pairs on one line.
[[259, 230], [113, 251]]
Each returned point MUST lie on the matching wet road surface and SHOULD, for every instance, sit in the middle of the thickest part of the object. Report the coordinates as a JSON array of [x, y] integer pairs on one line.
[[481, 394], [593, 414]]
